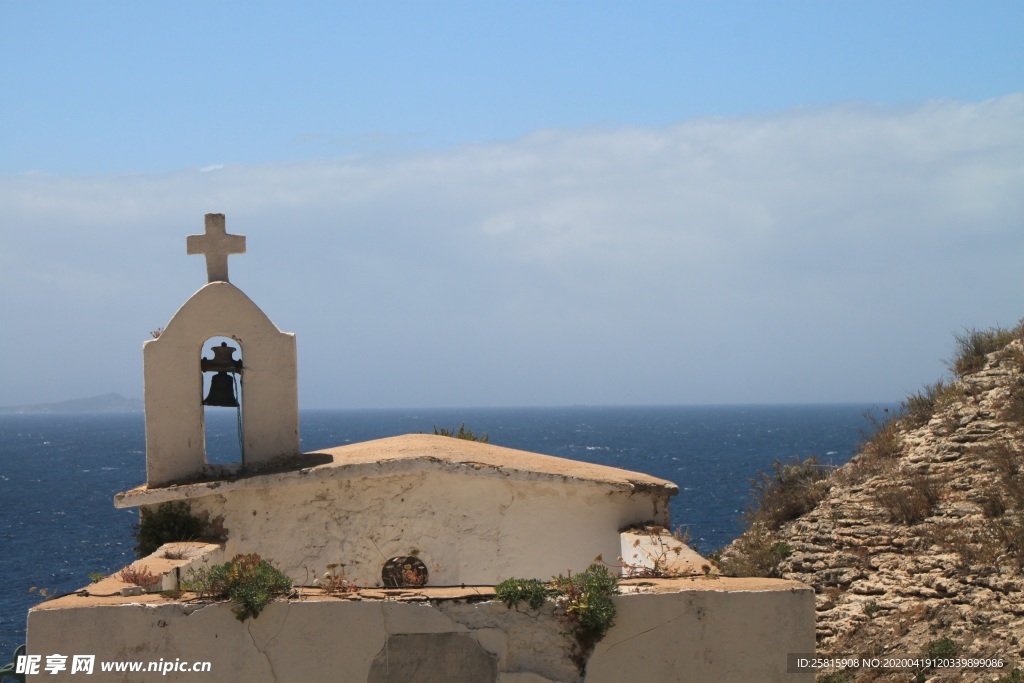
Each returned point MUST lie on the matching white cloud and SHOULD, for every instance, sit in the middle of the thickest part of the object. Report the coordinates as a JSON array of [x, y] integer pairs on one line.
[[790, 257]]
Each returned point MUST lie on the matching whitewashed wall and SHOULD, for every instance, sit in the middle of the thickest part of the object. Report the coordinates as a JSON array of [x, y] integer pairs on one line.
[[728, 631], [466, 529]]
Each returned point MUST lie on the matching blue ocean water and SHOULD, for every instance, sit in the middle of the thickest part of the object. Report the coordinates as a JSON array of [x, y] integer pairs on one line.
[[59, 473]]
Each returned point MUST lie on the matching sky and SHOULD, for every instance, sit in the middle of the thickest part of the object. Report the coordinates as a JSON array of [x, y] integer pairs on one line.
[[517, 203]]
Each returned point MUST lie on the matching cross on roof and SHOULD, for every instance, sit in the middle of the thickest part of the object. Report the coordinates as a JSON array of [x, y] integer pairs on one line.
[[216, 245]]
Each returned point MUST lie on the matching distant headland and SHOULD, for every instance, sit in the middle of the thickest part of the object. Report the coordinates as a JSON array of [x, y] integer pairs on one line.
[[107, 403]]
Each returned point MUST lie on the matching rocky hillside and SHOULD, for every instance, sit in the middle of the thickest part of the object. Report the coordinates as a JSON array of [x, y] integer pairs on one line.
[[916, 546]]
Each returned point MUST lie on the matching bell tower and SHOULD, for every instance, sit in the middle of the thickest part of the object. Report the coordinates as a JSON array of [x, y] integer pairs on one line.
[[173, 367]]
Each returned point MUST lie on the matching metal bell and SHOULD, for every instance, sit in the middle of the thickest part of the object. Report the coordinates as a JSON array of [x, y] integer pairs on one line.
[[222, 392]]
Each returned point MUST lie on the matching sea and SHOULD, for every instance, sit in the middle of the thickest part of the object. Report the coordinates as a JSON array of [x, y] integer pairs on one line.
[[60, 472]]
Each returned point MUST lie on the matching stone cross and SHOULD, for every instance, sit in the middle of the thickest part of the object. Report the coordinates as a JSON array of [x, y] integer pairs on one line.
[[216, 245]]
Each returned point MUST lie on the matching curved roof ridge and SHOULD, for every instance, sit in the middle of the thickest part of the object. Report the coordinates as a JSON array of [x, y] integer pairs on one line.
[[473, 453]]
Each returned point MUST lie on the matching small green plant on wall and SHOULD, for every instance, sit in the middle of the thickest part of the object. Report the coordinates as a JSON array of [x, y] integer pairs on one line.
[[533, 592], [249, 581], [583, 601]]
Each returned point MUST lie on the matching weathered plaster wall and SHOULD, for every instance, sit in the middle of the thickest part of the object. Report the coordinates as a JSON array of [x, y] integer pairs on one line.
[[175, 439], [466, 529], [716, 636], [706, 635]]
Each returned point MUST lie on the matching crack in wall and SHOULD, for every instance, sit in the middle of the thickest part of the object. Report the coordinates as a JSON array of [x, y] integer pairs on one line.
[[189, 610], [387, 632], [612, 646], [266, 645]]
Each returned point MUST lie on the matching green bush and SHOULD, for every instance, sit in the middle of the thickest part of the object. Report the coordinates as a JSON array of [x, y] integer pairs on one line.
[[513, 591], [249, 581], [166, 523], [943, 648], [585, 603], [586, 599]]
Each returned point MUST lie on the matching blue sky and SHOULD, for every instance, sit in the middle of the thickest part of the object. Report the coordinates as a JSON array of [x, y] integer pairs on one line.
[[518, 203], [149, 87]]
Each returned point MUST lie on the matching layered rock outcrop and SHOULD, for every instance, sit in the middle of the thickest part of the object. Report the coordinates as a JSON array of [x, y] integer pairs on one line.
[[917, 545]]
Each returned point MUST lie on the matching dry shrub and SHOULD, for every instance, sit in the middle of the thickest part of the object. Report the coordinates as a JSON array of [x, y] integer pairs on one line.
[[943, 534], [918, 409], [1010, 531], [832, 595], [1010, 408], [1014, 490], [863, 554], [884, 440], [790, 490], [861, 468], [979, 548], [912, 503], [1013, 354], [757, 552], [334, 581], [1005, 458], [138, 576], [980, 551], [992, 504], [657, 559], [972, 347], [181, 552], [1008, 463], [332, 584]]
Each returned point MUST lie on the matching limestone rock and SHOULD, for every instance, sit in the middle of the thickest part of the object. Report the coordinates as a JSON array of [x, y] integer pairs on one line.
[[893, 582]]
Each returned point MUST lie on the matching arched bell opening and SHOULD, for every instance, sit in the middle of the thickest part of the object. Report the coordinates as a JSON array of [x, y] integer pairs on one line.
[[221, 368]]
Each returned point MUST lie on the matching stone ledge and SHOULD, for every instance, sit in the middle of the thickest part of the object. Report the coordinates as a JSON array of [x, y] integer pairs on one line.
[[98, 593]]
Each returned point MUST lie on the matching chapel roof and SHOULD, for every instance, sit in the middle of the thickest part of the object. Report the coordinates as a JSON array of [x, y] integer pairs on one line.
[[410, 453]]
